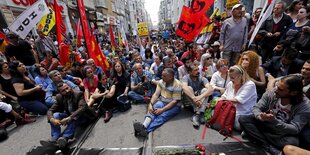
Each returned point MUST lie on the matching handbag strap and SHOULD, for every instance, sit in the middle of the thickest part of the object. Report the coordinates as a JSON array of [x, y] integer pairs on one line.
[[225, 80]]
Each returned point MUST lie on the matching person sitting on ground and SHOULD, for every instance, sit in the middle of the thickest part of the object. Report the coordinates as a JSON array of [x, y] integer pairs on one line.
[[279, 116], [249, 60], [42, 77], [242, 91], [8, 115], [155, 65], [207, 67], [29, 95], [197, 94], [52, 90], [283, 65], [167, 63], [141, 84], [6, 86], [96, 69], [104, 95], [76, 80], [49, 63], [220, 78], [121, 79], [183, 70], [90, 82], [67, 110], [165, 104]]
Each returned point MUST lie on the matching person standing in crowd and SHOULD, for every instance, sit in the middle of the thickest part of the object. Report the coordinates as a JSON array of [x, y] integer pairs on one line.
[[45, 44], [165, 104], [272, 29], [279, 116], [293, 9], [234, 35]]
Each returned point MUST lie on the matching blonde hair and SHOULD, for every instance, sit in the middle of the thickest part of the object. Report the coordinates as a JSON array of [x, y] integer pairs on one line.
[[240, 71], [253, 65]]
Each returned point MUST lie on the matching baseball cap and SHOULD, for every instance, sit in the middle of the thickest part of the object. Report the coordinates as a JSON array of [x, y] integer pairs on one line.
[[216, 43], [236, 6]]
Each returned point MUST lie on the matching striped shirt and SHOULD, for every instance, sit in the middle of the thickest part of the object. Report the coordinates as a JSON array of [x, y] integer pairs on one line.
[[171, 92]]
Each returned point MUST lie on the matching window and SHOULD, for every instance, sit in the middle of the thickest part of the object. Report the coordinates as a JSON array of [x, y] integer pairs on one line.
[[101, 3]]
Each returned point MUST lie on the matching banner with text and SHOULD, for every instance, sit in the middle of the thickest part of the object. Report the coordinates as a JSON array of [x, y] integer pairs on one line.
[[29, 18], [47, 22], [143, 29]]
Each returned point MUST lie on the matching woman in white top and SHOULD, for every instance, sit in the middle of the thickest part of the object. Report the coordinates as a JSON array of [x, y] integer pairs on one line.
[[207, 66], [155, 65], [220, 78], [242, 91]]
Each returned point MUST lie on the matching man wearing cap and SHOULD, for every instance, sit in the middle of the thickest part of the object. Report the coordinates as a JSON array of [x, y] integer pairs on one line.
[[215, 50], [233, 35]]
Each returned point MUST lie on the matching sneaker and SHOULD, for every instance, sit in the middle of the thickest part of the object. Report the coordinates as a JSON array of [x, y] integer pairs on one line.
[[271, 149], [244, 136], [107, 116], [6, 123], [139, 129], [24, 121], [62, 142], [202, 119], [196, 120]]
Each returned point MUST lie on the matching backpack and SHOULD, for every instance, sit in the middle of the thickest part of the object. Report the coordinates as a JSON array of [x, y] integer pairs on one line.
[[123, 103], [223, 119]]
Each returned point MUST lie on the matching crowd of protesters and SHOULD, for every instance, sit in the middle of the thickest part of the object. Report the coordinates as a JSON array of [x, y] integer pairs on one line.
[[268, 82]]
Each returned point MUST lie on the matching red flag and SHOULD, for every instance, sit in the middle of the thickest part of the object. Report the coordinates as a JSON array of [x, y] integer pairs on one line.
[[79, 33], [190, 26], [3, 36], [200, 7], [269, 2], [93, 48], [64, 49], [113, 43]]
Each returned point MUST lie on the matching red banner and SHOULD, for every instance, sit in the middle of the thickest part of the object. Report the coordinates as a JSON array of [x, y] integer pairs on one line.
[[93, 48], [200, 7], [190, 26], [113, 43]]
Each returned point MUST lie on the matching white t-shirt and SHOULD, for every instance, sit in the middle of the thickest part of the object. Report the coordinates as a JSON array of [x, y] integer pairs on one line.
[[218, 81], [246, 96], [5, 107]]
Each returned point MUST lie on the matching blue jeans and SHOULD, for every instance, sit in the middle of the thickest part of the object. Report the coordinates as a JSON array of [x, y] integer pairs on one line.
[[56, 130], [34, 106], [163, 117], [136, 97]]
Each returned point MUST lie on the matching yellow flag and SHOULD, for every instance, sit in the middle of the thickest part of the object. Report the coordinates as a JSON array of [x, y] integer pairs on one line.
[[120, 40], [47, 22]]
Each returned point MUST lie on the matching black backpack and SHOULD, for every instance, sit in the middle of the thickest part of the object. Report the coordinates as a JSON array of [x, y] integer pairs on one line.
[[123, 103]]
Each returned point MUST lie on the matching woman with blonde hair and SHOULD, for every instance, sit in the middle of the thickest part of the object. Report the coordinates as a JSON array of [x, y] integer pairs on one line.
[[240, 90], [249, 60], [220, 78]]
